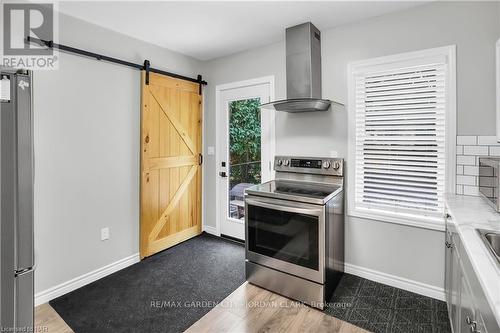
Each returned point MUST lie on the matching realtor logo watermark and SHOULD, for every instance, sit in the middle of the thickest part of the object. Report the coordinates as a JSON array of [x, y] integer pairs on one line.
[[36, 20]]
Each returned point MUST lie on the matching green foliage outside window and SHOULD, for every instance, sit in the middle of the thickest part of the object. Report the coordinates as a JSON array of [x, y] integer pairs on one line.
[[244, 141]]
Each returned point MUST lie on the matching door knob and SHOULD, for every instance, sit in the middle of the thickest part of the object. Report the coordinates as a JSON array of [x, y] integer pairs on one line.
[[223, 174]]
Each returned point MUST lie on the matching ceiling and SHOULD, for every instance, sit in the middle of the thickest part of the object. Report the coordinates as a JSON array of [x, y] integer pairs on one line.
[[207, 30]]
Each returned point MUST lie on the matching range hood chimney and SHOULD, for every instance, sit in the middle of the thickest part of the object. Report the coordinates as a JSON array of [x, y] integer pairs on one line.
[[303, 71]]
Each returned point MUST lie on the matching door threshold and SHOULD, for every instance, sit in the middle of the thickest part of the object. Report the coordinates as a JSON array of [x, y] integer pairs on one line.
[[234, 239]]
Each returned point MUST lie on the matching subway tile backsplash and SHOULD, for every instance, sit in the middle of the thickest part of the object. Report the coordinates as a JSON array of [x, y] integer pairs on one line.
[[466, 160], [494, 151], [476, 150], [469, 149], [466, 140]]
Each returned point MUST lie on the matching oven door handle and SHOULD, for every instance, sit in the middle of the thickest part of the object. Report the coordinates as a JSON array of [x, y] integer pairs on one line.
[[284, 207]]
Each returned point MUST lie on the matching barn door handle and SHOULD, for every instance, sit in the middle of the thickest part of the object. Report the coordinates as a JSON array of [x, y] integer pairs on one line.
[[223, 174]]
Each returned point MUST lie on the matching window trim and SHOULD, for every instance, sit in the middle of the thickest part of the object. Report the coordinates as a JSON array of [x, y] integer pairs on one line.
[[450, 146]]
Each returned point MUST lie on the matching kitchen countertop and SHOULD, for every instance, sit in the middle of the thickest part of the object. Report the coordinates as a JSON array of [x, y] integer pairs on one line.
[[468, 214]]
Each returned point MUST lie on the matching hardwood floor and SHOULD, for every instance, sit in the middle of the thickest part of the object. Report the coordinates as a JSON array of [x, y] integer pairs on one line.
[[252, 309], [248, 309], [47, 320]]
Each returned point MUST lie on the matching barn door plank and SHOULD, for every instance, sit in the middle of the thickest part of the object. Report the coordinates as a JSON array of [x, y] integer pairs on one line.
[[171, 135]]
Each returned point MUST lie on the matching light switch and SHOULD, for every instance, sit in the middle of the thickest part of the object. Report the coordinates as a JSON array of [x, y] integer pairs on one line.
[[211, 150]]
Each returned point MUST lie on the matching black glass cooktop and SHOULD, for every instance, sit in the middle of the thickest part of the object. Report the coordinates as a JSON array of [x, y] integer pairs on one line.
[[295, 190], [309, 191]]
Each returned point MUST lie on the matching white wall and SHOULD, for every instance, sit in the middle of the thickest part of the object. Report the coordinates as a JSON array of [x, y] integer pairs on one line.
[[397, 250], [87, 134]]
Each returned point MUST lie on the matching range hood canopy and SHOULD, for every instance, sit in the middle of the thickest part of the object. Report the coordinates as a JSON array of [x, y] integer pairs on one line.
[[303, 72], [299, 105]]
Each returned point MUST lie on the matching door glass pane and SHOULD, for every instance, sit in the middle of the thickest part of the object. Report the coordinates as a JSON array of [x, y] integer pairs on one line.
[[283, 235], [244, 152]]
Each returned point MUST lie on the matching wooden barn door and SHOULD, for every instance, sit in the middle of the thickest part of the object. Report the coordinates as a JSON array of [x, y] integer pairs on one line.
[[170, 192]]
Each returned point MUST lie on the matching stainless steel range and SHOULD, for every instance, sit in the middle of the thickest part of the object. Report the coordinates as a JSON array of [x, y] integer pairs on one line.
[[294, 228]]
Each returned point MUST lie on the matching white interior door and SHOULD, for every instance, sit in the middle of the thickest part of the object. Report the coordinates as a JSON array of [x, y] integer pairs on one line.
[[245, 152]]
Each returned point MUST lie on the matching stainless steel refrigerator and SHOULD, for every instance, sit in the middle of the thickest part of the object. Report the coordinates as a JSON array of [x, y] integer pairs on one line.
[[17, 179]]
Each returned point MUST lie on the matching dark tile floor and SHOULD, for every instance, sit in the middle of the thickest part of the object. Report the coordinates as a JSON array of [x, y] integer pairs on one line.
[[380, 308]]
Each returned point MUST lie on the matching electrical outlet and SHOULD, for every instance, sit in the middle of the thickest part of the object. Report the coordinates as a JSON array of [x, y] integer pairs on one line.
[[104, 234], [334, 153]]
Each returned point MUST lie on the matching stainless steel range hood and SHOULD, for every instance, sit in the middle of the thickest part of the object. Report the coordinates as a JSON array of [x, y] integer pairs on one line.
[[303, 71]]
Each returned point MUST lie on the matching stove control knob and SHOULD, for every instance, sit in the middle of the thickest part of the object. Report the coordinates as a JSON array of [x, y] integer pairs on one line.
[[286, 162], [326, 164], [279, 162], [336, 165]]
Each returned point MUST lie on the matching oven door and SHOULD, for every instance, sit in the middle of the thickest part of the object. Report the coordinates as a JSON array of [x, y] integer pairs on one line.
[[286, 235]]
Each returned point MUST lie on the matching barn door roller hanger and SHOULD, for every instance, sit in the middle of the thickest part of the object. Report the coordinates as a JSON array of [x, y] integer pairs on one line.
[[146, 66]]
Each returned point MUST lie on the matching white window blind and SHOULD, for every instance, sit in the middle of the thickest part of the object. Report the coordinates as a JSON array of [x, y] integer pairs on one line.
[[400, 137]]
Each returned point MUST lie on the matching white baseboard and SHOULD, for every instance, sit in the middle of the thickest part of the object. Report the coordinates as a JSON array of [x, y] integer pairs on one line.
[[396, 281], [210, 230], [82, 280]]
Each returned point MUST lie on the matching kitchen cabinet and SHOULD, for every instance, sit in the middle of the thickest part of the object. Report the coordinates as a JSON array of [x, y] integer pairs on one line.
[[452, 274], [453, 281], [497, 87], [467, 304]]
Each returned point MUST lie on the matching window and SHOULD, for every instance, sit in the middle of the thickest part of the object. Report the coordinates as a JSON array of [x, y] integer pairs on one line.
[[402, 136]]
